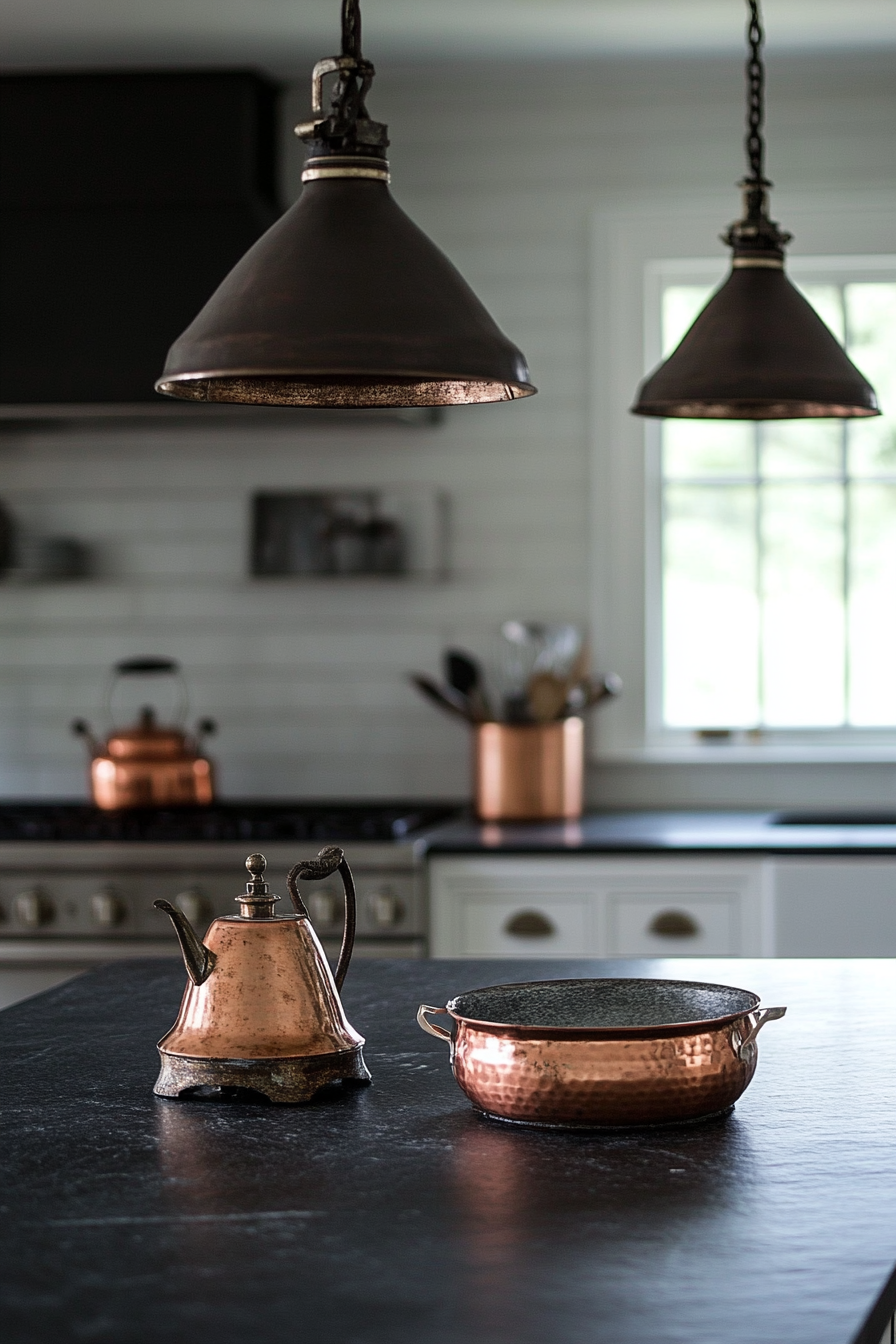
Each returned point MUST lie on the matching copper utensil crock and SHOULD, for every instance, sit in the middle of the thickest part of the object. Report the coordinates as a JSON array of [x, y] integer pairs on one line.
[[261, 1009], [529, 771], [603, 1053]]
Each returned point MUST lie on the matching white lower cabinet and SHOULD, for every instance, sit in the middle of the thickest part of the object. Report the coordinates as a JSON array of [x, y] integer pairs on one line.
[[836, 907], [503, 906], [578, 905]]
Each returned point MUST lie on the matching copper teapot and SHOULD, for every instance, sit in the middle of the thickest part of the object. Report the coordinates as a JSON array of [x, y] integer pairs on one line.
[[261, 1009], [149, 764]]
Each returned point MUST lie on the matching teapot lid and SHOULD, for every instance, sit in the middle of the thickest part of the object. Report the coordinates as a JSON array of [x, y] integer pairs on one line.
[[258, 901], [147, 738]]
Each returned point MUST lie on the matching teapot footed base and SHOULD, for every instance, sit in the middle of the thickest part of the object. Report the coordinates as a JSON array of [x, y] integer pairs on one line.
[[288, 1079]]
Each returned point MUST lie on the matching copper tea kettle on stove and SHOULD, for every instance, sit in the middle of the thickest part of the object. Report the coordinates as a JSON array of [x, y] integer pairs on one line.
[[149, 764], [262, 1008]]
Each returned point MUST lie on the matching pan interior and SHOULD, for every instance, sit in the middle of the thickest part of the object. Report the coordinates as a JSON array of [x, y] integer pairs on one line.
[[602, 1003]]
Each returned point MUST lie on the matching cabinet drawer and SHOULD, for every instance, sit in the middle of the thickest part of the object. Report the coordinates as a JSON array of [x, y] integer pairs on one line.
[[517, 928], [597, 906], [651, 924]]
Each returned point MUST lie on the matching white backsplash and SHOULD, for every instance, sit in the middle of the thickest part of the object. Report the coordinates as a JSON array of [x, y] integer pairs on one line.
[[504, 168]]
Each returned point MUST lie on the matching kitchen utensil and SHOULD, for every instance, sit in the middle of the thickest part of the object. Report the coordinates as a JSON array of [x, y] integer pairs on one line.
[[595, 1053], [546, 696], [529, 771], [262, 1008], [522, 644], [464, 673], [540, 668], [560, 648], [446, 697], [584, 695], [149, 764]]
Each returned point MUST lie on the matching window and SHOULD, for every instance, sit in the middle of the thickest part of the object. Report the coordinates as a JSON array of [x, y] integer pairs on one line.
[[777, 543], [735, 661]]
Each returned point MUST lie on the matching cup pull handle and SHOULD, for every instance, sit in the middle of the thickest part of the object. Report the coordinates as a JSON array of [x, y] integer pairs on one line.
[[745, 1048], [529, 924], [674, 924], [330, 860], [439, 1032]]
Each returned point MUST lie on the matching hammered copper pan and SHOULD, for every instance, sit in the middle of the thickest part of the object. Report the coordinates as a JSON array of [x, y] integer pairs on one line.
[[595, 1053]]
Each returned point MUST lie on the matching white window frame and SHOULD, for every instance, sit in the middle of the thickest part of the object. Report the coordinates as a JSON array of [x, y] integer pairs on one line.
[[634, 250]]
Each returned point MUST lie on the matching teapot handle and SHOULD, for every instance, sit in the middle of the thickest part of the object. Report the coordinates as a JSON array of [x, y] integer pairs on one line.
[[330, 860]]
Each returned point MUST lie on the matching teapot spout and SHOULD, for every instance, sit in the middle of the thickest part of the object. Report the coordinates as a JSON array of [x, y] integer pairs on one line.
[[198, 960]]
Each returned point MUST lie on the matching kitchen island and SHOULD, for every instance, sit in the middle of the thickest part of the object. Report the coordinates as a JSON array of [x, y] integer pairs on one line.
[[394, 1213]]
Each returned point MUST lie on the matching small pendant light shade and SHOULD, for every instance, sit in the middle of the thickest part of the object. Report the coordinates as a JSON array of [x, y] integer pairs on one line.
[[344, 302], [758, 350]]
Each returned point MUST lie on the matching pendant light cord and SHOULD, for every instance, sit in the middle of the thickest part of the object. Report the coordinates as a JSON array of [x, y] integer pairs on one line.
[[755, 94]]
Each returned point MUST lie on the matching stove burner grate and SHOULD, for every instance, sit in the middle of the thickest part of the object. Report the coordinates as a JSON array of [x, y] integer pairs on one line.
[[253, 822]]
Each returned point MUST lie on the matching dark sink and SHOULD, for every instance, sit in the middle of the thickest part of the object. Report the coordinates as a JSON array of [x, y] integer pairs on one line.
[[877, 817]]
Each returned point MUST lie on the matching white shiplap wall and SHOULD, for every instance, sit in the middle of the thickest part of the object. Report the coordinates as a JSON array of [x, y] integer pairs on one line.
[[504, 167]]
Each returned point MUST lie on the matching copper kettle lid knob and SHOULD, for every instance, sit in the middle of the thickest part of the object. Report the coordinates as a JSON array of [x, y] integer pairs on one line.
[[258, 901]]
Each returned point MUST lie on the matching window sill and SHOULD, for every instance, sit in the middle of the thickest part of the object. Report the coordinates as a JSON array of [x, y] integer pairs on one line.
[[790, 753]]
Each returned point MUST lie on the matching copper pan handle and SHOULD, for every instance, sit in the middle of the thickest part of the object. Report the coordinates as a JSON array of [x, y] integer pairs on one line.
[[439, 1032], [745, 1048], [330, 860]]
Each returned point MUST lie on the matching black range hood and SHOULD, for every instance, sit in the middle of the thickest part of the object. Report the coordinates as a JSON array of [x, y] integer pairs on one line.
[[125, 198]]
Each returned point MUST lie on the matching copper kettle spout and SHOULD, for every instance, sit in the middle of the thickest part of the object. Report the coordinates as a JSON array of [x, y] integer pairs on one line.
[[198, 959], [81, 728]]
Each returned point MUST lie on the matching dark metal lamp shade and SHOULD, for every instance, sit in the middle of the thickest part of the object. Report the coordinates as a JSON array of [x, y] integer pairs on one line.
[[757, 351], [345, 302]]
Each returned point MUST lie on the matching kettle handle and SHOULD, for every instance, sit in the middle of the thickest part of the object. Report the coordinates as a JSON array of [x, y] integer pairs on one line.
[[330, 860]]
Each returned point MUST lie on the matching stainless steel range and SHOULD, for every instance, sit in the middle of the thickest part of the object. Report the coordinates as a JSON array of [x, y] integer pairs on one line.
[[77, 884]]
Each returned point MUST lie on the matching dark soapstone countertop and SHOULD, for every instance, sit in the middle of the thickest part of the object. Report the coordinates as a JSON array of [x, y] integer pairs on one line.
[[823, 833], [395, 1215]]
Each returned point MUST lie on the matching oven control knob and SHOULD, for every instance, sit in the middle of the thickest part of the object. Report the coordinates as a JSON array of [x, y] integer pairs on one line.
[[194, 904], [32, 908], [324, 907], [107, 909], [384, 908]]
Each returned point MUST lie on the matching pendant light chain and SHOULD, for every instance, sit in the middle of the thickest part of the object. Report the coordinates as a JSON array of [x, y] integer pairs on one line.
[[351, 29], [355, 76], [755, 232], [755, 95]]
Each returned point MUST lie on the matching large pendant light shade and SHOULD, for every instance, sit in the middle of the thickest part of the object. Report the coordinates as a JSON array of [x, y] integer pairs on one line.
[[758, 350], [344, 302]]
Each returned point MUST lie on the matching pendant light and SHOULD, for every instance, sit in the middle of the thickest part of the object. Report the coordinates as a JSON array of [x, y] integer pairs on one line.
[[758, 350], [344, 302]]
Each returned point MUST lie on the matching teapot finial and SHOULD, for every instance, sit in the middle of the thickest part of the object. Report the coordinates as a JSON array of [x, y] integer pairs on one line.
[[256, 864], [258, 901]]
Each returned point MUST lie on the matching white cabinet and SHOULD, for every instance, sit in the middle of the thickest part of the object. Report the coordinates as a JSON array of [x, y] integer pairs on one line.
[[653, 924], [494, 905], [517, 906], [836, 907]]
